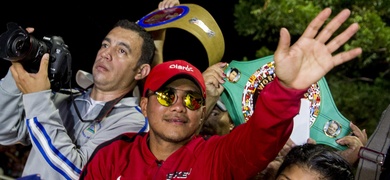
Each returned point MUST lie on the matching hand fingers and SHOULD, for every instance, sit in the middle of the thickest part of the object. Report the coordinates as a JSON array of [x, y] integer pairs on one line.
[[214, 85], [333, 25], [17, 70], [215, 72], [161, 5], [214, 77], [285, 151], [351, 141], [43, 68], [311, 141], [283, 45], [222, 65], [167, 4], [290, 143], [219, 65], [287, 147], [355, 130], [30, 29], [354, 145], [312, 29], [14, 70], [365, 139], [346, 56], [212, 80], [361, 134], [19, 74], [338, 41]]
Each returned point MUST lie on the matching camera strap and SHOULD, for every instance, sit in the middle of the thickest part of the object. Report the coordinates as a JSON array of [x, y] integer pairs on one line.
[[373, 162], [107, 108]]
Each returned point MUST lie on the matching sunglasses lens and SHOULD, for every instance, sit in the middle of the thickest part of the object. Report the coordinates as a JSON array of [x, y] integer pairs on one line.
[[193, 101], [166, 97]]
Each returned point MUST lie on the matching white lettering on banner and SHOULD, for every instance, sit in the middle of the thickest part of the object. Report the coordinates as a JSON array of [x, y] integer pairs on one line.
[[177, 66]]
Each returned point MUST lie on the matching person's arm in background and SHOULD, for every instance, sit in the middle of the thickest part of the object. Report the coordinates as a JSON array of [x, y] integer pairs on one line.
[[354, 142], [270, 171], [159, 35], [297, 67], [284, 52], [214, 78], [159, 38], [13, 127], [357, 139], [12, 114]]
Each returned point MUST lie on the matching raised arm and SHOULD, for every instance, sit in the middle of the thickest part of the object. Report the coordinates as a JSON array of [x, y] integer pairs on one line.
[[297, 68], [310, 58], [214, 77]]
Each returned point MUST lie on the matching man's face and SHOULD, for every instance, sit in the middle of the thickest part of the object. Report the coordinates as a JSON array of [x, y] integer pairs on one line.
[[332, 128], [232, 75], [218, 122], [116, 60], [175, 123]]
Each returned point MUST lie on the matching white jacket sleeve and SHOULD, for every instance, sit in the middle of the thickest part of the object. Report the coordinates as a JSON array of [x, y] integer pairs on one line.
[[12, 116]]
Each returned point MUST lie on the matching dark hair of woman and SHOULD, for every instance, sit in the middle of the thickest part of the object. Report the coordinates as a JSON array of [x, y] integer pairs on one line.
[[318, 158]]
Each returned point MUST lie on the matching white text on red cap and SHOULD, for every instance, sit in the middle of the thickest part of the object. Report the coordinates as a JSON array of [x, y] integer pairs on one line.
[[177, 66]]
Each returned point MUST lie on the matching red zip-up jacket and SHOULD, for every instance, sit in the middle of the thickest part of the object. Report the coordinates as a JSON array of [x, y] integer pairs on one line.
[[238, 155]]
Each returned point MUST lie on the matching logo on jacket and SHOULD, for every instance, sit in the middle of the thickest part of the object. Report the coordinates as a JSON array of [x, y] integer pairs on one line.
[[91, 129], [178, 175]]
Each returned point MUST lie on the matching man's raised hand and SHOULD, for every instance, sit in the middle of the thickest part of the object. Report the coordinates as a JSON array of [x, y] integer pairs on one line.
[[310, 58]]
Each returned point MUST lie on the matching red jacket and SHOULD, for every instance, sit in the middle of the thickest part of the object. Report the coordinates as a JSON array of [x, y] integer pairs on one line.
[[238, 155]]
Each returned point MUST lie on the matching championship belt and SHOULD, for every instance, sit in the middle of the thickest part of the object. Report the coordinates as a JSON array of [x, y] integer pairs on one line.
[[193, 19], [246, 79]]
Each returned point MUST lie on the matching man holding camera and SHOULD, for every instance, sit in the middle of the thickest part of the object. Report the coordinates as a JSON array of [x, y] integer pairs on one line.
[[64, 130]]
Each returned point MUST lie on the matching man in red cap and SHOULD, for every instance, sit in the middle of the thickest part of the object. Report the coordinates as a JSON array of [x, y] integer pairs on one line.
[[174, 103]]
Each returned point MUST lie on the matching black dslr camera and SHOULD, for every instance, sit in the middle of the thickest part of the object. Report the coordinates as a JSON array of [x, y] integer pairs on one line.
[[16, 44]]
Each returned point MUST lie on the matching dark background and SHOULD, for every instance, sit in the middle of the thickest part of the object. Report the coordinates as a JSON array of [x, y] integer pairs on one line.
[[83, 26]]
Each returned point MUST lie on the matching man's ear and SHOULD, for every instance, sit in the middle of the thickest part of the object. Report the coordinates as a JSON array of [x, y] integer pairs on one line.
[[144, 104], [143, 71], [204, 116]]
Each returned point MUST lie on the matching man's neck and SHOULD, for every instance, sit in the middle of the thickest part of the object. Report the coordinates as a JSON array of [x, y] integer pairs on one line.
[[99, 95], [163, 149]]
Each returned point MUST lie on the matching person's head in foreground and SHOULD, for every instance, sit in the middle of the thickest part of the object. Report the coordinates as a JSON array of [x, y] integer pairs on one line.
[[174, 101], [218, 122], [124, 58], [314, 161]]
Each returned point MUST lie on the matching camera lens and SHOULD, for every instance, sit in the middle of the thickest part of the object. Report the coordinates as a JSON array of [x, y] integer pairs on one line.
[[18, 48], [16, 44]]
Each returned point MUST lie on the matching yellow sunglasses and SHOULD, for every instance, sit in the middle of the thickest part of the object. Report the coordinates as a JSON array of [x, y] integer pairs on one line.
[[168, 97]]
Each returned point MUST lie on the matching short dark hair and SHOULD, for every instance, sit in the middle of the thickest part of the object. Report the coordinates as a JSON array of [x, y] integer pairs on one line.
[[235, 70], [320, 158], [148, 48]]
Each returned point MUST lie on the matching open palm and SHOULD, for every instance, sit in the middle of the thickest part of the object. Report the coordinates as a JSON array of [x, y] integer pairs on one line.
[[310, 58]]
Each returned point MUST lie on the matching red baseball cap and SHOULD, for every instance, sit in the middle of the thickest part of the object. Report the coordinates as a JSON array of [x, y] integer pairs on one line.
[[163, 72]]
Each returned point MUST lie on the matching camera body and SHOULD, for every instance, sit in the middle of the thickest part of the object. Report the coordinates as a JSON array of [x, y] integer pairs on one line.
[[16, 44]]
